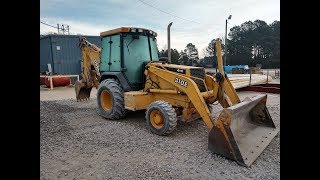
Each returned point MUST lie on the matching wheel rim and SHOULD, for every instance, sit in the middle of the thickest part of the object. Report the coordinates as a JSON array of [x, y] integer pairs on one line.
[[156, 119], [106, 100]]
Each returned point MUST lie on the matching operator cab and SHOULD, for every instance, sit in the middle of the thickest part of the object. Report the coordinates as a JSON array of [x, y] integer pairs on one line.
[[125, 51]]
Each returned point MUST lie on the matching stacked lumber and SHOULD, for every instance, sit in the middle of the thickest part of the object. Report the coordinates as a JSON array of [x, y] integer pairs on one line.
[[243, 80]]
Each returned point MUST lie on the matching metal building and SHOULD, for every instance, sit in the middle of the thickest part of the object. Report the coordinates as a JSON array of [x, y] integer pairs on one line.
[[63, 53]]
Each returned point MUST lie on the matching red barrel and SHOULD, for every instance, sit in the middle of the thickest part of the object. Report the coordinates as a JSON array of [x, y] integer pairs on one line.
[[42, 80], [58, 81]]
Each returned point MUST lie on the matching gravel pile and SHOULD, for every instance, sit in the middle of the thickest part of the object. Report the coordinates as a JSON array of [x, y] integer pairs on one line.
[[76, 143]]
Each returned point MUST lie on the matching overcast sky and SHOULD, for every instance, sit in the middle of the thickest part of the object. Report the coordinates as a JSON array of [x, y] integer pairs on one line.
[[202, 20]]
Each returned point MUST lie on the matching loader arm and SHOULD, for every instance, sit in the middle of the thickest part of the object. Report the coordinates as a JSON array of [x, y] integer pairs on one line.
[[189, 87], [228, 95]]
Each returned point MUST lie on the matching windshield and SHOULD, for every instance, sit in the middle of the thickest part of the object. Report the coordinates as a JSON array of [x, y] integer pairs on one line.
[[139, 48], [135, 53], [154, 49]]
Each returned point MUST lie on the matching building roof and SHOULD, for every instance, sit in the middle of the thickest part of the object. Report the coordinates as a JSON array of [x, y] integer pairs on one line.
[[64, 35]]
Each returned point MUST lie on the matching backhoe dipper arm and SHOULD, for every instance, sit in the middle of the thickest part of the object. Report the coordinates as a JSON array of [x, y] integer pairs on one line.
[[90, 58], [89, 69]]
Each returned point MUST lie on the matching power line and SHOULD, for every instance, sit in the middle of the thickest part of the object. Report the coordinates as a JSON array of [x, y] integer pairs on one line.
[[141, 4], [167, 12], [48, 25], [64, 28], [174, 15]]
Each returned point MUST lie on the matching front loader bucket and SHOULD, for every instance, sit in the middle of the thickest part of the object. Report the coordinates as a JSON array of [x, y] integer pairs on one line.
[[82, 92], [243, 131]]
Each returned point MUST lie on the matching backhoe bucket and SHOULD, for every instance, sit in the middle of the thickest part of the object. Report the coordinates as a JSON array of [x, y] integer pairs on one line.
[[82, 92], [243, 131]]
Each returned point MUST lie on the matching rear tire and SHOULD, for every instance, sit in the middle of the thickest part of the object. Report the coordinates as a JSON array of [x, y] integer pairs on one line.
[[110, 100], [161, 118]]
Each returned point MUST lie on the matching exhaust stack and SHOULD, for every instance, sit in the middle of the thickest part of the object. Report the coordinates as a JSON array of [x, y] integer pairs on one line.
[[169, 48]]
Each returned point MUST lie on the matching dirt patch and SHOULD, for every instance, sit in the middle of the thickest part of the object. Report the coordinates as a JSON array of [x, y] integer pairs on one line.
[[76, 143]]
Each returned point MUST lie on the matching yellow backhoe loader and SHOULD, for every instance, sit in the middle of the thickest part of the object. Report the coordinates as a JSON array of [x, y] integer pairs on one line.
[[132, 77]]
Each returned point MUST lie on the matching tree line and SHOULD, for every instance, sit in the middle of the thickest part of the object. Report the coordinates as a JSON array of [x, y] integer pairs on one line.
[[251, 43]]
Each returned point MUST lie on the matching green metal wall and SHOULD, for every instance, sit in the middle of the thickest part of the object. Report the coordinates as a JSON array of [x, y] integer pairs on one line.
[[63, 53]]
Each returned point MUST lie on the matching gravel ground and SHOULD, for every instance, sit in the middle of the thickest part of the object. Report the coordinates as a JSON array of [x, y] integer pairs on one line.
[[76, 143]]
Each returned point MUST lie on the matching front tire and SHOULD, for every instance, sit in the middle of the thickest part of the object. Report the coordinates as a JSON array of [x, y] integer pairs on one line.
[[161, 118], [110, 100]]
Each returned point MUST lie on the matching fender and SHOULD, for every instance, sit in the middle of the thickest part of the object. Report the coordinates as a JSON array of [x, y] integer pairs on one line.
[[119, 76]]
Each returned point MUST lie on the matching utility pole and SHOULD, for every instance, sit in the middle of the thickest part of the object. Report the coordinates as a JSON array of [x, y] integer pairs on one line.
[[64, 28], [225, 45], [225, 42], [68, 29]]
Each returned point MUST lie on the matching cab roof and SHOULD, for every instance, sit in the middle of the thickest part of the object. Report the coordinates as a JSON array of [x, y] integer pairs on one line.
[[127, 29]]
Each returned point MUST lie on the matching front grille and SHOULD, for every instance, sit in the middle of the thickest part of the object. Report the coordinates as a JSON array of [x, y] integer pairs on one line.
[[199, 73]]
